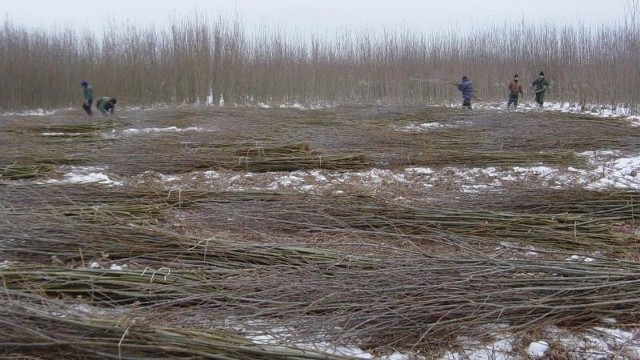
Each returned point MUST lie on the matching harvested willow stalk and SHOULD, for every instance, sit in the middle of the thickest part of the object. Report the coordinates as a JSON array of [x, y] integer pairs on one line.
[[25, 171], [154, 271], [104, 334], [400, 300], [350, 162]]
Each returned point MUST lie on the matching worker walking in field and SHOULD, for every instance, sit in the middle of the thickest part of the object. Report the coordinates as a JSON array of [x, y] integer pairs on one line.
[[105, 105], [539, 87], [515, 89], [87, 91], [466, 87]]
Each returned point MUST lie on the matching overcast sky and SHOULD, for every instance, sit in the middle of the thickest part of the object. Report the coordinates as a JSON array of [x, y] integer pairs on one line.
[[318, 16]]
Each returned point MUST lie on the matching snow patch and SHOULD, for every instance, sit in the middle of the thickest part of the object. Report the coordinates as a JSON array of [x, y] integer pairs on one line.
[[538, 349], [84, 175]]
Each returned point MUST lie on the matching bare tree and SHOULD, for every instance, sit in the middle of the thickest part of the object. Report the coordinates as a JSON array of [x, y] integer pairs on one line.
[[632, 30]]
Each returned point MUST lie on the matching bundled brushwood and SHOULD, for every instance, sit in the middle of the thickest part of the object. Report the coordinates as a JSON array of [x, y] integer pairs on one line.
[[76, 244], [491, 139], [188, 265], [294, 214], [367, 217], [169, 155], [294, 150], [93, 204], [541, 132], [254, 149], [30, 151], [81, 224], [379, 134], [409, 299], [93, 333], [412, 301], [340, 163], [108, 204], [51, 144], [476, 158], [621, 204], [476, 147], [25, 171], [62, 128]]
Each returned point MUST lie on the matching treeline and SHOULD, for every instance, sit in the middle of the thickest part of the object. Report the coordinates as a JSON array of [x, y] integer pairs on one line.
[[196, 59]]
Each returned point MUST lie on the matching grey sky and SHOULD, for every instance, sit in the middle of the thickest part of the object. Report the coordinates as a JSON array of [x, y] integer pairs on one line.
[[320, 16]]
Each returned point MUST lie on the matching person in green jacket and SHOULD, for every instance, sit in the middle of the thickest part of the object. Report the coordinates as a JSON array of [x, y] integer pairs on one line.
[[105, 105], [87, 91], [539, 87]]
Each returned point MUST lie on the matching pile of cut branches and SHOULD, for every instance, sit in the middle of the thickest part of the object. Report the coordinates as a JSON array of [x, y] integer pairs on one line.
[[25, 171], [409, 301]]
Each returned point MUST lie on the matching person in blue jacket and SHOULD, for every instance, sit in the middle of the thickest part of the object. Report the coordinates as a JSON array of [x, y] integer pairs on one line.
[[466, 87], [87, 91]]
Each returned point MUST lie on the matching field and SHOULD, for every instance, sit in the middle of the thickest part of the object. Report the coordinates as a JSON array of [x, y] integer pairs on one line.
[[292, 233]]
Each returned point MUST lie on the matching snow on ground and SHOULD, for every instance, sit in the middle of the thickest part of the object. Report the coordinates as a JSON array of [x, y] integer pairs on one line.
[[605, 171], [161, 130], [604, 111], [435, 125], [35, 112], [59, 134], [82, 175], [593, 344]]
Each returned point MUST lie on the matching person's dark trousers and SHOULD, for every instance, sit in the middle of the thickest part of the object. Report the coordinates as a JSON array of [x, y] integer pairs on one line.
[[87, 107], [513, 99]]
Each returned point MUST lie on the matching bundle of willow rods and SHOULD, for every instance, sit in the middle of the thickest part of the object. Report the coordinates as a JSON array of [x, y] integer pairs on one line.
[[25, 171], [346, 162], [334, 215], [400, 300], [78, 128], [622, 204], [477, 158], [32, 150], [196, 264], [112, 204], [474, 147], [104, 334], [77, 245], [96, 204], [255, 149], [171, 155], [78, 224], [530, 132], [294, 214], [476, 139], [507, 140], [407, 302]]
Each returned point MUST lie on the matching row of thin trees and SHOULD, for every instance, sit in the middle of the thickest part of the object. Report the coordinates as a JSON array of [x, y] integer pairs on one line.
[[196, 59]]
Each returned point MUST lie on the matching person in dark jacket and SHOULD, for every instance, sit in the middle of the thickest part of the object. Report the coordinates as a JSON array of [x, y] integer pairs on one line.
[[515, 89], [466, 87], [87, 91], [105, 105], [539, 87]]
